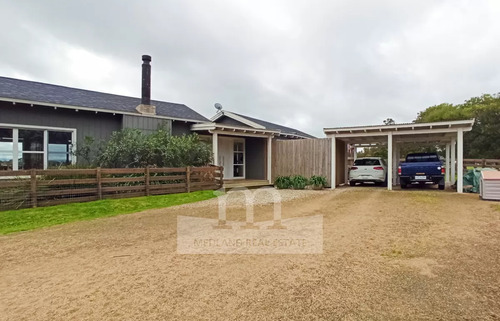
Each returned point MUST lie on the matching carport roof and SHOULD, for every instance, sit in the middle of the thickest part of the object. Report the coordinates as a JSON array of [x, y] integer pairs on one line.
[[434, 132]]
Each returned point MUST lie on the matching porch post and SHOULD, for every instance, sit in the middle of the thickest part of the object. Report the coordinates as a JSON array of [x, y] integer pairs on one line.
[[460, 160], [333, 165], [269, 158], [215, 148], [390, 157], [447, 164]]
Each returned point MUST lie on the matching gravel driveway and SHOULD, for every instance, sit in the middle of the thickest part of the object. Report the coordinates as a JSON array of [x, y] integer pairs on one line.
[[400, 255]]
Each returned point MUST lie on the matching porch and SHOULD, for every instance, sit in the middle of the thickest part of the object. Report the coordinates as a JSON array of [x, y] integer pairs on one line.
[[246, 183]]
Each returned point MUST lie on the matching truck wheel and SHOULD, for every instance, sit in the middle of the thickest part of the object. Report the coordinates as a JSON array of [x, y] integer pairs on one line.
[[441, 187], [352, 183], [403, 186]]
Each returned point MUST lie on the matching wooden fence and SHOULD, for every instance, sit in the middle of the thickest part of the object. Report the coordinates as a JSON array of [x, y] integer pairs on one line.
[[492, 163], [32, 188], [306, 157]]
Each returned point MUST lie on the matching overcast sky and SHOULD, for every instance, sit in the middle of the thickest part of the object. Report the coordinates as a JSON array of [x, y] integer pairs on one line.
[[306, 64]]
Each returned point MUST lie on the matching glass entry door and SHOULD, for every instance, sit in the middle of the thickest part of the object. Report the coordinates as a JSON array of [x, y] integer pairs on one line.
[[239, 159]]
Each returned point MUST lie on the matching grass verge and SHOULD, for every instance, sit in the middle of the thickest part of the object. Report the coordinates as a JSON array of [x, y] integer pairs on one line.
[[32, 218]]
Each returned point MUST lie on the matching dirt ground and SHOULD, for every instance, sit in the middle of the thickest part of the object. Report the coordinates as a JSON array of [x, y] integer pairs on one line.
[[400, 255]]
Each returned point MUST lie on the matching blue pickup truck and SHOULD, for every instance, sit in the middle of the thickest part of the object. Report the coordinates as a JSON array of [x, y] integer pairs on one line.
[[421, 168]]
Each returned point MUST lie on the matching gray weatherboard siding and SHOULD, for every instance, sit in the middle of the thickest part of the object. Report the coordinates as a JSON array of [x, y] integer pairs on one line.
[[100, 125]]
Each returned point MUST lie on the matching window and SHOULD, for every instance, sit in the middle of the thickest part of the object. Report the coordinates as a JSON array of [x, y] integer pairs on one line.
[[6, 149], [366, 162], [59, 152], [422, 158], [34, 147], [31, 149]]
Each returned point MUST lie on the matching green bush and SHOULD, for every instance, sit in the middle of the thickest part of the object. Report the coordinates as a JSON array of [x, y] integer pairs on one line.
[[283, 182], [298, 181], [318, 181], [132, 148]]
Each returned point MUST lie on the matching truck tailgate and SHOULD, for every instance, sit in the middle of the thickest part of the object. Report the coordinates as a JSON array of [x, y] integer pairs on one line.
[[420, 168]]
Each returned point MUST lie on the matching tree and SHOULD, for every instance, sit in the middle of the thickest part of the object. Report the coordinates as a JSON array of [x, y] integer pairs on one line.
[[482, 141], [389, 121]]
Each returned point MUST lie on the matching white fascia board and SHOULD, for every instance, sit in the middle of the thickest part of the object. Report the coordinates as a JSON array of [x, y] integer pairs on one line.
[[455, 124], [97, 110], [237, 118], [239, 134], [229, 128]]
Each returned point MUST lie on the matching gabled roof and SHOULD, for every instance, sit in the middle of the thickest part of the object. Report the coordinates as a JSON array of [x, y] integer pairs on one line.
[[31, 92], [261, 124]]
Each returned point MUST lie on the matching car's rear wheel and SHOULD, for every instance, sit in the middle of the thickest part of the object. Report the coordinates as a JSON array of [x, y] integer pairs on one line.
[[403, 186], [352, 183], [441, 187]]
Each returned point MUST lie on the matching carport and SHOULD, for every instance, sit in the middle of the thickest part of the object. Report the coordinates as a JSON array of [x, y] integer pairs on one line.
[[449, 133]]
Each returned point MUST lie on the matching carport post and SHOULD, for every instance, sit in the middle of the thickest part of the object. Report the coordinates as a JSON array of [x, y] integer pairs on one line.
[[453, 160], [355, 152], [447, 164], [460, 160], [390, 156], [334, 155], [395, 159], [346, 160]]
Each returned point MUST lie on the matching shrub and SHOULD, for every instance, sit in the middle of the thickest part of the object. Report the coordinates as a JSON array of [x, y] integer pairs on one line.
[[133, 148], [298, 182], [318, 181], [283, 182]]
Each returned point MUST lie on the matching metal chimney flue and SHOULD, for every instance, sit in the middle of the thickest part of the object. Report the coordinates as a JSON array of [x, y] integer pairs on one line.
[[146, 80], [145, 107]]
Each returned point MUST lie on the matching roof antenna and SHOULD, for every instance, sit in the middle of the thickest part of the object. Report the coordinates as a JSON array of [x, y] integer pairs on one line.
[[218, 106]]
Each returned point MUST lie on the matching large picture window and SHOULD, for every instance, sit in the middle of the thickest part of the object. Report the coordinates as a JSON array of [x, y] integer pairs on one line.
[[34, 147]]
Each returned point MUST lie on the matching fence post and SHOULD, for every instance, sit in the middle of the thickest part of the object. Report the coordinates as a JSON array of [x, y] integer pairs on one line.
[[221, 170], [99, 182], [146, 179], [33, 188], [188, 179]]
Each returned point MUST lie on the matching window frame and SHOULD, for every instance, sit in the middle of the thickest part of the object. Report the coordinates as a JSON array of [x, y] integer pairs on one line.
[[15, 142]]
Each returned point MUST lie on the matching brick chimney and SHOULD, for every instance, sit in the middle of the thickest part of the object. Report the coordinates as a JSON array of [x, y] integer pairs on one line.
[[145, 107]]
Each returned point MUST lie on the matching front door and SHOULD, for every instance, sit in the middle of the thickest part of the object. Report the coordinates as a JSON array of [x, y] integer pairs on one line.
[[232, 157]]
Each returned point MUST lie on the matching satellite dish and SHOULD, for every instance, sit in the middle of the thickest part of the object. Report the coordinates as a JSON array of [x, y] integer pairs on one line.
[[218, 106]]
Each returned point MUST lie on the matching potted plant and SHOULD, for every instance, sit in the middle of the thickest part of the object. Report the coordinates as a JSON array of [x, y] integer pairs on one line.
[[317, 182], [283, 182], [298, 182]]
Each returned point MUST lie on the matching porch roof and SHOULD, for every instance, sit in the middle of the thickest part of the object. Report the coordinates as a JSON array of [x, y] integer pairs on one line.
[[233, 130]]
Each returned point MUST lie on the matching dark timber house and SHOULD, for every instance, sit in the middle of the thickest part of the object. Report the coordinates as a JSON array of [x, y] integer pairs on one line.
[[41, 123]]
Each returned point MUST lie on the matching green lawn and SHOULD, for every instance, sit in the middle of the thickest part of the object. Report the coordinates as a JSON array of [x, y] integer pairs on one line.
[[32, 218]]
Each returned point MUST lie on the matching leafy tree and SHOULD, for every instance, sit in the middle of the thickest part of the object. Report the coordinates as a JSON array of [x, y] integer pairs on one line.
[[389, 121], [482, 141]]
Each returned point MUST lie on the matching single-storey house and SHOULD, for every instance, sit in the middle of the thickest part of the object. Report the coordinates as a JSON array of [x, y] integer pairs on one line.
[[40, 124]]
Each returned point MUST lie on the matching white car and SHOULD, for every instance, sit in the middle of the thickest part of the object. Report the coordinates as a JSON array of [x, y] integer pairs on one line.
[[368, 169]]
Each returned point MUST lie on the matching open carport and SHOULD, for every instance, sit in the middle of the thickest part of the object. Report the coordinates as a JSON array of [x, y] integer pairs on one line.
[[449, 133]]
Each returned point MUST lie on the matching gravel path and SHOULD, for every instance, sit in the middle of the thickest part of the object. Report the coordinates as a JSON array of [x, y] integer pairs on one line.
[[401, 255]]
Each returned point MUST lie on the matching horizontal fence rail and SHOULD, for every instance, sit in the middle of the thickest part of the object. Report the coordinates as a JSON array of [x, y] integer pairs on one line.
[[32, 188], [493, 163]]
